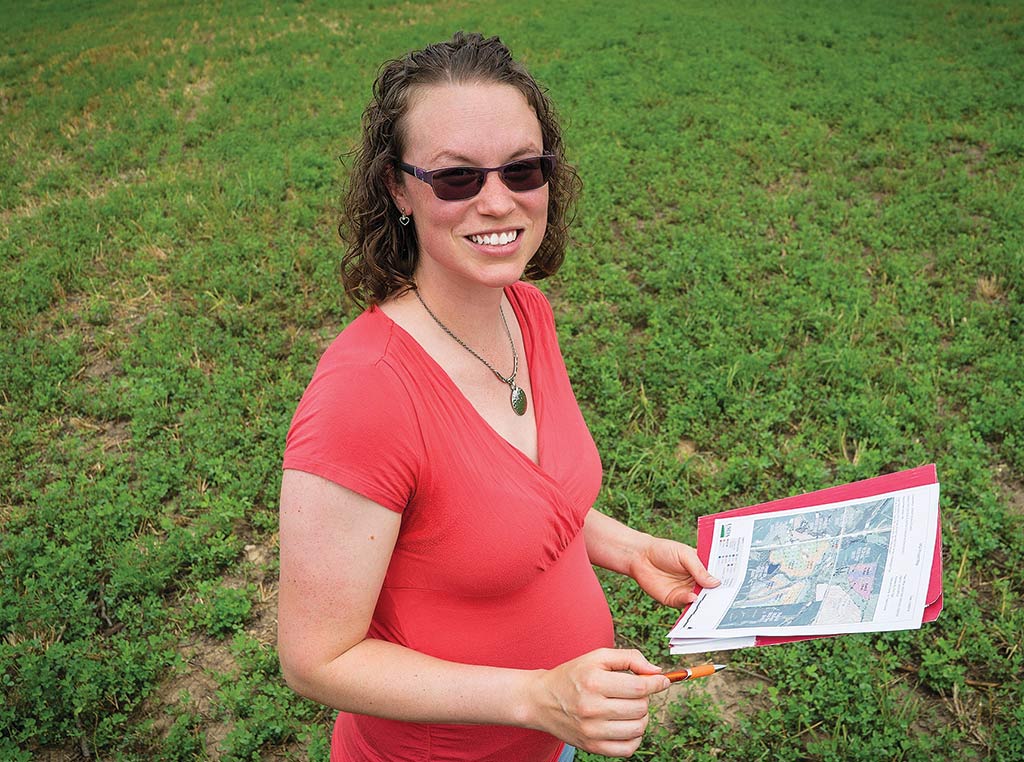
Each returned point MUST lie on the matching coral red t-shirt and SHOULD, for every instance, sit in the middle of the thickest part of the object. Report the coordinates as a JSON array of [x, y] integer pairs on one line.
[[490, 565]]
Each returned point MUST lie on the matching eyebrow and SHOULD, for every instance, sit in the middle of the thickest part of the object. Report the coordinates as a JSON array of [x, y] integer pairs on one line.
[[462, 160]]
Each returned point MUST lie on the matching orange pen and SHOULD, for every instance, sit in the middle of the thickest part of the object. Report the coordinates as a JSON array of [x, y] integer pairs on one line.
[[689, 673]]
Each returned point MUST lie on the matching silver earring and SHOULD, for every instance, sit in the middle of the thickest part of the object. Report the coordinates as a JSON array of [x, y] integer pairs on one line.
[[404, 219]]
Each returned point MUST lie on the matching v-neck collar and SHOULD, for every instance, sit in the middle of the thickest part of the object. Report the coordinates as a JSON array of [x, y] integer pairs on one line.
[[526, 330]]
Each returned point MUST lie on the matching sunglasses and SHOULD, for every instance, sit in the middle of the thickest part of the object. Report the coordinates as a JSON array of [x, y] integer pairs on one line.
[[458, 183]]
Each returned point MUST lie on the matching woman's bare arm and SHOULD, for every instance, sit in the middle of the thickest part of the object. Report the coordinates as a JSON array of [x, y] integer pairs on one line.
[[667, 570], [335, 550]]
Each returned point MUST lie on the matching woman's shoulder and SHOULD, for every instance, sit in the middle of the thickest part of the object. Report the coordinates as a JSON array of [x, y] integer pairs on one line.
[[356, 423], [364, 341], [358, 387], [361, 361]]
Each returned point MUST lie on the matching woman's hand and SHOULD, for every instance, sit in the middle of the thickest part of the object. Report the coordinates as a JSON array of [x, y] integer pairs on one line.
[[668, 571], [598, 702]]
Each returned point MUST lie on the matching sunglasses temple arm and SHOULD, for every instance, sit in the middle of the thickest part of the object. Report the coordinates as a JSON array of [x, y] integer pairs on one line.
[[419, 174]]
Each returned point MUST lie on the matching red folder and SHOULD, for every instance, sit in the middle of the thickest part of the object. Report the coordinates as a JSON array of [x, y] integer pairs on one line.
[[914, 477]]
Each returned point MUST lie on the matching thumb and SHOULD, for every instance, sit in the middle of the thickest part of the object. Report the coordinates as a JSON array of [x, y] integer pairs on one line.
[[700, 573], [681, 596], [705, 579]]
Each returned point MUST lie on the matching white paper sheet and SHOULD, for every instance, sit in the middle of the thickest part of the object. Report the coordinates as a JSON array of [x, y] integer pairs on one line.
[[861, 565]]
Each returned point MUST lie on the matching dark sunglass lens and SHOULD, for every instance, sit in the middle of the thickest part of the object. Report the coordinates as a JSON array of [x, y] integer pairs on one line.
[[457, 183], [524, 175]]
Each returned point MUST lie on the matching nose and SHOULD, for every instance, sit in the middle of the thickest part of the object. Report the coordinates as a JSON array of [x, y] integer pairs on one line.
[[495, 199]]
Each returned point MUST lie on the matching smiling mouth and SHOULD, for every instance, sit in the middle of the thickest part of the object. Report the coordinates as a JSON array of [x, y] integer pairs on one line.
[[495, 239]]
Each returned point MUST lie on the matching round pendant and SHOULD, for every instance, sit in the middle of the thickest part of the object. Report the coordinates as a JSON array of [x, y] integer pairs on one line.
[[518, 400]]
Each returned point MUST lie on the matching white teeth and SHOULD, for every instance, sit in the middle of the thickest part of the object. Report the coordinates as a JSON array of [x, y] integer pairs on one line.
[[495, 239]]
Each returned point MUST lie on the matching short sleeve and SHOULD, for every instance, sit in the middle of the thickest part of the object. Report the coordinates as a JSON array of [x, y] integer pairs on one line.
[[356, 426]]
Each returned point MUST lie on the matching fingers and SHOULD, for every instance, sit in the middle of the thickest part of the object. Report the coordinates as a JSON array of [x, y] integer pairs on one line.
[[614, 728], [697, 570], [601, 700], [626, 674], [614, 684], [704, 579], [631, 729], [625, 685], [630, 659], [613, 709], [601, 710], [669, 572], [684, 593]]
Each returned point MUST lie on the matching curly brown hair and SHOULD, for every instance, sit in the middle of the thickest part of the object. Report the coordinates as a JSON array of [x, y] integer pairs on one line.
[[382, 254]]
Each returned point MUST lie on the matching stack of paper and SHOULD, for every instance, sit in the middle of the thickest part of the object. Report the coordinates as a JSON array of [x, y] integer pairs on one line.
[[861, 557]]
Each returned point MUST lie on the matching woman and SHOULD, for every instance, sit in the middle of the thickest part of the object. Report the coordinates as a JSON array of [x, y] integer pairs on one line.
[[437, 533]]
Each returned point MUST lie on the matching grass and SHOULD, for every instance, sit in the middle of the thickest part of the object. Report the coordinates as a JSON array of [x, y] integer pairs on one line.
[[798, 263]]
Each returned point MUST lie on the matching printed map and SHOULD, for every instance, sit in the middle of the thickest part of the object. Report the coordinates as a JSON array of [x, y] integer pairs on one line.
[[817, 568]]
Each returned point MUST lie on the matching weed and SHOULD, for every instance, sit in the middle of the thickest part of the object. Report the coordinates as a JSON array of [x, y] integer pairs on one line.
[[798, 262]]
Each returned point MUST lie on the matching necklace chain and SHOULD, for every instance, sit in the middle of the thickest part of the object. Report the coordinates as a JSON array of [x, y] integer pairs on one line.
[[518, 399], [515, 356]]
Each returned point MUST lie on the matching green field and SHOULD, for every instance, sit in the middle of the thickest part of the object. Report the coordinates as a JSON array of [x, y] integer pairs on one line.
[[799, 261]]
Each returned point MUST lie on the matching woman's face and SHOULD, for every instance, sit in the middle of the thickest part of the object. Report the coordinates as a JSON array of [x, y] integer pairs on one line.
[[478, 125]]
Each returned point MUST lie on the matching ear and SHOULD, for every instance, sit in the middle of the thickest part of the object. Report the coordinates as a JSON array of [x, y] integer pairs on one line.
[[399, 194]]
